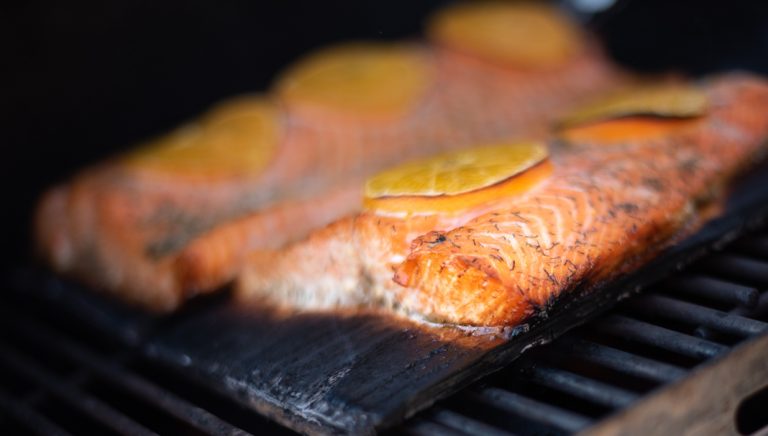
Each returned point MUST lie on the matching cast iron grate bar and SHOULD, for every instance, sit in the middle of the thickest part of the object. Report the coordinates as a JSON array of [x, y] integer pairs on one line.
[[663, 338], [582, 387], [530, 409], [463, 423], [715, 289], [87, 404], [737, 267], [422, 427], [187, 416], [759, 309], [619, 360], [670, 308]]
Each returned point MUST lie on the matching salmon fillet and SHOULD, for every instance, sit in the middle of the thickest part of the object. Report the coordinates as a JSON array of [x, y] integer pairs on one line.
[[157, 238], [604, 211]]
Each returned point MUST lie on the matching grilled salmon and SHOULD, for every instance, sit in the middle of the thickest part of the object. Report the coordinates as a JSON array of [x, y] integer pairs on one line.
[[607, 207], [161, 224]]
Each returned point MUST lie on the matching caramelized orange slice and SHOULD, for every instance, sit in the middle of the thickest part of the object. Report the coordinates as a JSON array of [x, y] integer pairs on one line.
[[643, 112], [236, 138], [515, 34], [667, 100], [457, 181], [358, 80]]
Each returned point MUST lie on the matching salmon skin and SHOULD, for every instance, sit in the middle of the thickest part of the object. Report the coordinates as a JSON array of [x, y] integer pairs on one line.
[[157, 239], [604, 211]]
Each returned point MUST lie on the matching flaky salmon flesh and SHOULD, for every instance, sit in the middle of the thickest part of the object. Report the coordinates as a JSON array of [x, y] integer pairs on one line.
[[156, 238], [605, 210]]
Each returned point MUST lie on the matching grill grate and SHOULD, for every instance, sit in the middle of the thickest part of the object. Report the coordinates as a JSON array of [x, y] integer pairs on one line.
[[47, 370], [59, 376]]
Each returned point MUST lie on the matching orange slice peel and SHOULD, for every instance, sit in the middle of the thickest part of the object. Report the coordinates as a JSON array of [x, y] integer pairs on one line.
[[615, 131], [454, 182]]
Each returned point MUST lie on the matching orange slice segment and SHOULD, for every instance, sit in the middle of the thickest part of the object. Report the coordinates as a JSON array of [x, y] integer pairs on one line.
[[358, 80], [457, 181], [514, 34], [644, 112], [235, 138], [619, 130], [668, 101]]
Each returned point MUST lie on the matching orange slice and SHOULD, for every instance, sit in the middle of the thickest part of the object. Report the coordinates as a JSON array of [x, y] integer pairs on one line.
[[235, 138], [668, 101], [640, 113], [457, 181], [514, 34], [358, 80]]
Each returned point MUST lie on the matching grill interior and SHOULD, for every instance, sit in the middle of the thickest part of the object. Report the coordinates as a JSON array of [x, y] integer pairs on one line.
[[59, 375], [68, 366]]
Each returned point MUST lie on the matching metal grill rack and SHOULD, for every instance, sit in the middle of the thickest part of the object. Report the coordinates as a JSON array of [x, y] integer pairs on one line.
[[58, 378], [59, 375]]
